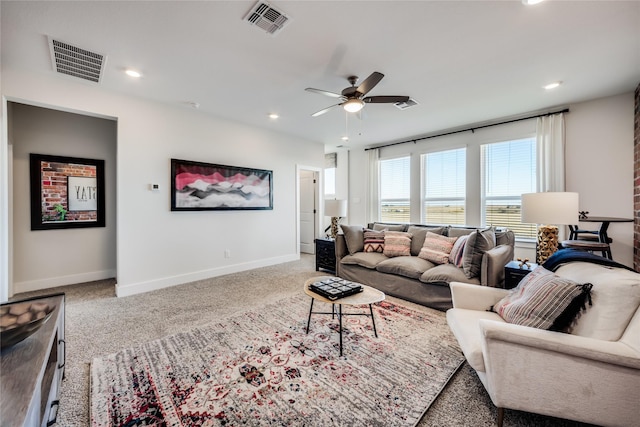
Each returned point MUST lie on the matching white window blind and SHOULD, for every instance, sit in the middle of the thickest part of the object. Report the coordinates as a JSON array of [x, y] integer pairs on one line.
[[330, 165], [444, 187], [508, 170], [394, 189]]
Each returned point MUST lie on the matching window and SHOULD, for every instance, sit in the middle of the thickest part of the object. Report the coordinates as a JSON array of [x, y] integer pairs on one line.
[[443, 187], [394, 190], [330, 164], [508, 170]]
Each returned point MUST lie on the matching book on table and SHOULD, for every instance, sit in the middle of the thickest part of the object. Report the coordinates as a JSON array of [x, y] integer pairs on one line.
[[335, 288]]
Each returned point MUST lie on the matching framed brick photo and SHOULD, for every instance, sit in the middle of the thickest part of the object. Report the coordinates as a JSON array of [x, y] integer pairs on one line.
[[66, 192]]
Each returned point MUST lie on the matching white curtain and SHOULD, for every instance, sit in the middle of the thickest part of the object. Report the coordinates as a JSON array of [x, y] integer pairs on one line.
[[550, 147], [550, 154], [373, 202]]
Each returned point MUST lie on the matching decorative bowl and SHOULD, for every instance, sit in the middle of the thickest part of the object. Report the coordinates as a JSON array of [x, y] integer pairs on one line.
[[20, 320]]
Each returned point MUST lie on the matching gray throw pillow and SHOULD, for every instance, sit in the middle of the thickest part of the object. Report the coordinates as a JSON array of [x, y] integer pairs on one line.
[[379, 226], [477, 244], [354, 237]]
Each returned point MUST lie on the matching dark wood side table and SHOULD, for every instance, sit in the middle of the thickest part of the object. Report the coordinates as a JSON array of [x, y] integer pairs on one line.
[[513, 273], [326, 255]]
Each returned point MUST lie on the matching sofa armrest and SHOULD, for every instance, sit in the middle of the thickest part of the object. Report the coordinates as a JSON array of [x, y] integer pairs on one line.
[[609, 352], [493, 262], [474, 297], [341, 247]]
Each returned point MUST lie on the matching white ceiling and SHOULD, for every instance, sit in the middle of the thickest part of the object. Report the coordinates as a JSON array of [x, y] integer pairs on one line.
[[463, 61]]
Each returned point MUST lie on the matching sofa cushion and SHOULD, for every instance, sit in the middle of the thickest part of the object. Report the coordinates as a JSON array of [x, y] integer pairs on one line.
[[378, 226], [457, 232], [364, 259], [464, 325], [446, 273], [407, 266], [397, 243], [436, 248], [353, 237], [477, 244], [543, 300], [455, 257], [615, 297], [419, 233], [373, 241]]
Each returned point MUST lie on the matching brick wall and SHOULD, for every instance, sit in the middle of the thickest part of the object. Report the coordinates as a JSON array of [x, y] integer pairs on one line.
[[54, 191], [636, 185]]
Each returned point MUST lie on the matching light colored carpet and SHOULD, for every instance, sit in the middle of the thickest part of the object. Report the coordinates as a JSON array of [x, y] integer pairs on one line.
[[262, 368], [98, 323]]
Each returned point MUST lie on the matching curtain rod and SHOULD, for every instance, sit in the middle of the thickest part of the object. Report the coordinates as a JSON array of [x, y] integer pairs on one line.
[[472, 129]]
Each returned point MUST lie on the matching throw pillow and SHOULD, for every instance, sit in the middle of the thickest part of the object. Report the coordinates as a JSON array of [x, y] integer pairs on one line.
[[353, 237], [397, 243], [373, 241], [436, 248], [380, 226], [477, 244], [419, 232], [543, 300], [455, 257]]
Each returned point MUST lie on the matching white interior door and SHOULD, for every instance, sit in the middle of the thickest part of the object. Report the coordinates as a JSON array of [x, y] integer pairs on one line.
[[308, 191]]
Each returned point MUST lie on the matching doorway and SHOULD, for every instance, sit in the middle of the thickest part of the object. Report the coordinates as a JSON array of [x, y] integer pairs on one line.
[[308, 210]]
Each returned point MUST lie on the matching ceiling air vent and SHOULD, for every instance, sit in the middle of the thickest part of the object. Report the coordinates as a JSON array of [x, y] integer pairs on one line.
[[408, 104], [76, 62], [265, 16]]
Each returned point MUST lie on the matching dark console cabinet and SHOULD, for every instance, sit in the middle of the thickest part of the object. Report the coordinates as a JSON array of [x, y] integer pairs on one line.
[[326, 255], [32, 371]]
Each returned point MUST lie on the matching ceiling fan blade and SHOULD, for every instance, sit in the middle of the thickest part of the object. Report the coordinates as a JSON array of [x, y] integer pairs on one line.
[[385, 99], [321, 112], [370, 82], [324, 92]]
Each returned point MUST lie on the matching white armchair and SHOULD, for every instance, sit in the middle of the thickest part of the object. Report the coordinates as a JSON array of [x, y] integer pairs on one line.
[[591, 375]]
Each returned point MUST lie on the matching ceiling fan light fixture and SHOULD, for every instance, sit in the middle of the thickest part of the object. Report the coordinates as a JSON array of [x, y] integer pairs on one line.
[[353, 105]]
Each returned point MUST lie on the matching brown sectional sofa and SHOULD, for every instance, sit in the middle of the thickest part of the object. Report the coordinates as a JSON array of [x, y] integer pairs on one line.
[[413, 278]]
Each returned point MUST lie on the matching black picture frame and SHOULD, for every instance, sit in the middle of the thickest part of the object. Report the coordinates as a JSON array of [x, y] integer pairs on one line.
[[199, 186], [52, 197]]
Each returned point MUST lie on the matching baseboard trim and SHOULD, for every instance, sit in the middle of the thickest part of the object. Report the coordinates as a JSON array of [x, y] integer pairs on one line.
[[165, 282], [52, 282]]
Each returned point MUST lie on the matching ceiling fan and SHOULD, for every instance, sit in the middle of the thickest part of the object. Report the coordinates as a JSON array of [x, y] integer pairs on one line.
[[353, 98]]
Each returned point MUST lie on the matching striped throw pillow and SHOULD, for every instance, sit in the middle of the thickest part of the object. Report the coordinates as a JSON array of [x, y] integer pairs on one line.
[[436, 248], [373, 241], [397, 243], [455, 257], [543, 300]]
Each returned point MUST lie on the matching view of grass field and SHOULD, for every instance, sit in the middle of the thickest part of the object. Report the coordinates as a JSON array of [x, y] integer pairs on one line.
[[496, 215]]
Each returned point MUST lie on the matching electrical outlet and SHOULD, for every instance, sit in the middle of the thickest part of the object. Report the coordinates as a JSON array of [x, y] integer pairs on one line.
[[227, 253]]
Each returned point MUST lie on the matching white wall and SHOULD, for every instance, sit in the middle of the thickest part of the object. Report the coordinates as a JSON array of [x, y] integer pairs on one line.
[[157, 247], [47, 258], [599, 166]]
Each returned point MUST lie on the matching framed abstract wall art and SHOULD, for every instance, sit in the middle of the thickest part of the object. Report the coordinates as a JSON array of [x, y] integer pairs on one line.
[[197, 186], [66, 192]]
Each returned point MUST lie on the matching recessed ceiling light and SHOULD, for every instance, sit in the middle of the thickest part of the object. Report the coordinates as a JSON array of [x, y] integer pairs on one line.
[[345, 138], [552, 85], [273, 116], [133, 73], [530, 2]]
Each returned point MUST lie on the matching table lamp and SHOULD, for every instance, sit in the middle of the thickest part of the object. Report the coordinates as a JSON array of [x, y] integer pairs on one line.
[[549, 210], [336, 209]]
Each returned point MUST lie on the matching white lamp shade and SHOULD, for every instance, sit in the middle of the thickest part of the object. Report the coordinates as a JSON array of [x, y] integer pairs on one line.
[[337, 208], [559, 208]]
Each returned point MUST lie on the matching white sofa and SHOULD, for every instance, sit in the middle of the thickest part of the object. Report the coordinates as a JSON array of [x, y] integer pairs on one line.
[[590, 375]]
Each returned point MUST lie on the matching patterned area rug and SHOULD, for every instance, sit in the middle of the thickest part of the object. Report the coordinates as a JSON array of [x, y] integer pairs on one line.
[[261, 368]]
